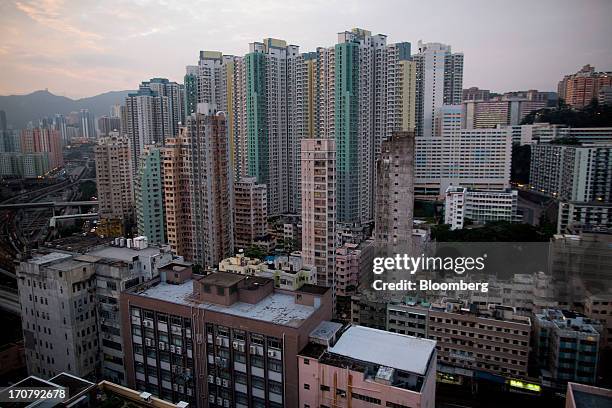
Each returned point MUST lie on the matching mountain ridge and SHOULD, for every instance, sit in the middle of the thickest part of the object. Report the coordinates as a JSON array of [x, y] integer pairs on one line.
[[21, 109]]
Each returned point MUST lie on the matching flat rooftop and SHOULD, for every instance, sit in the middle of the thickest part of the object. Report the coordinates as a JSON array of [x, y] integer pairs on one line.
[[123, 253], [278, 308], [394, 350], [588, 400], [224, 280], [326, 330], [48, 258], [68, 265]]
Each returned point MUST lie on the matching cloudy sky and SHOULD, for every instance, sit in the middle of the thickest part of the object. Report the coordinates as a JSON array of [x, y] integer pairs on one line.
[[84, 47]]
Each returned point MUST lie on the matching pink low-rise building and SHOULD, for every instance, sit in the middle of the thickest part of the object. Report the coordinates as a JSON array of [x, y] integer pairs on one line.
[[366, 367], [352, 262]]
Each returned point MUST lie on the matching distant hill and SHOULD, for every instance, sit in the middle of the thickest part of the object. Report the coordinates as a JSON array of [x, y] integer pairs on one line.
[[21, 109]]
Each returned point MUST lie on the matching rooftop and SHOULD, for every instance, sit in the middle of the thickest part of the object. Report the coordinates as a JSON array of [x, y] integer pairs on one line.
[[222, 279], [68, 265], [394, 350], [278, 307], [586, 396], [326, 331], [74, 385], [48, 258], [123, 253], [586, 400]]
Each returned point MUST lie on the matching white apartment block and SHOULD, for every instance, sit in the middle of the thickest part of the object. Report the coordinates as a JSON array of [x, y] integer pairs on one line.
[[439, 81], [148, 121], [572, 172], [475, 158], [575, 217], [462, 204]]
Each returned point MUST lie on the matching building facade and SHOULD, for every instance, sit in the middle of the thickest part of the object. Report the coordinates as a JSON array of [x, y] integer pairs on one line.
[[349, 372], [150, 213], [463, 206], [578, 90], [250, 335], [250, 212], [319, 207], [114, 178]]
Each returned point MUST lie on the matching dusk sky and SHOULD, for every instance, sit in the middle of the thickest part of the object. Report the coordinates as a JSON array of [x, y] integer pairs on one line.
[[82, 48]]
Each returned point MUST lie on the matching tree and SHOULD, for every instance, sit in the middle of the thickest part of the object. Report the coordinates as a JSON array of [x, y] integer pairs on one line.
[[592, 115], [255, 251]]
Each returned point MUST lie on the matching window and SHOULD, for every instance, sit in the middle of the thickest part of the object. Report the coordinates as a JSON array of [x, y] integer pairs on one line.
[[306, 386]]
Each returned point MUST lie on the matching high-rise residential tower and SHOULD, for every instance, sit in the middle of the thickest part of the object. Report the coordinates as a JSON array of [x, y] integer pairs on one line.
[[176, 95], [198, 186], [319, 207], [269, 109], [439, 81], [43, 140], [114, 178], [87, 124], [395, 194], [150, 215], [177, 195], [211, 186], [250, 212], [147, 120], [374, 95], [580, 89]]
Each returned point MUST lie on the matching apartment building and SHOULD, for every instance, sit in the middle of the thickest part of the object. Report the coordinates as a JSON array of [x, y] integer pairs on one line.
[[43, 140], [439, 81], [288, 271], [114, 178], [250, 213], [58, 313], [175, 94], [572, 172], [219, 340], [473, 158], [353, 263], [275, 96], [149, 191], [147, 121], [71, 306], [198, 189], [599, 307], [579, 89], [567, 347], [506, 110], [319, 207], [177, 195], [350, 369], [395, 195], [582, 262], [410, 317], [463, 206], [119, 268], [24, 165], [494, 341], [575, 217]]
